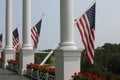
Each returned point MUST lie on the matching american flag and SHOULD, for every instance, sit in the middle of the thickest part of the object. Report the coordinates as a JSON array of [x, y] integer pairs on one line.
[[0, 42], [35, 33], [86, 27], [16, 41]]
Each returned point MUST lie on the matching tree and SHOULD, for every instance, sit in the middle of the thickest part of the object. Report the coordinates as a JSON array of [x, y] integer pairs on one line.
[[106, 61], [114, 64]]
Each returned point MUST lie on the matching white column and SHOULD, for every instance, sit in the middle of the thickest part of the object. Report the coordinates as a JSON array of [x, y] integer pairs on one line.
[[27, 52], [8, 51], [67, 25], [27, 24], [67, 63], [67, 56], [8, 43]]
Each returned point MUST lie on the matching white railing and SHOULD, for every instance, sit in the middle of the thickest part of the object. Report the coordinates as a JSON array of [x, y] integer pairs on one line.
[[13, 67], [39, 75]]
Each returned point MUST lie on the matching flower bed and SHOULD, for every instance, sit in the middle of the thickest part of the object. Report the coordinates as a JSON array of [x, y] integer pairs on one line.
[[41, 72], [1, 60], [88, 76], [13, 65], [44, 69], [29, 72]]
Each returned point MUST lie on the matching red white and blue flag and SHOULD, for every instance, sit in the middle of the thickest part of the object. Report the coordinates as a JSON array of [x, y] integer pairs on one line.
[[86, 27], [0, 42], [35, 34], [16, 41]]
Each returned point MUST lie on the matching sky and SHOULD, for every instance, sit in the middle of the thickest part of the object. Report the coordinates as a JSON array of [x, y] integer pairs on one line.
[[107, 21]]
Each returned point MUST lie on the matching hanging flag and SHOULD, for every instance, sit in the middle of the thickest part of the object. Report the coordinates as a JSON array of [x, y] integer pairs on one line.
[[86, 27], [0, 42], [35, 33], [16, 41]]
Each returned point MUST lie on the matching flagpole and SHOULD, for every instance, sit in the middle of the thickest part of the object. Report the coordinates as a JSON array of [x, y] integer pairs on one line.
[[86, 9], [40, 18], [3, 39], [17, 26], [38, 22], [42, 15]]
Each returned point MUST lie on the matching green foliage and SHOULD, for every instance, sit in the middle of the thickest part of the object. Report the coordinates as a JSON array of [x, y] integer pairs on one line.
[[106, 62], [39, 57], [17, 55], [114, 64], [51, 60]]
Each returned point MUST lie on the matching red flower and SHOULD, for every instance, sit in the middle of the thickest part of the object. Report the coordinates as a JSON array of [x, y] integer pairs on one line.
[[43, 69], [103, 78], [87, 74], [79, 73], [95, 76], [1, 59], [11, 61], [75, 74], [30, 66], [15, 62], [35, 67], [112, 78]]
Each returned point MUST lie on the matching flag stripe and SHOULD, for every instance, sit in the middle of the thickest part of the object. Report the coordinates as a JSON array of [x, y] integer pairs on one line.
[[16, 41], [89, 37], [81, 34], [35, 33], [86, 27], [86, 35], [0, 42]]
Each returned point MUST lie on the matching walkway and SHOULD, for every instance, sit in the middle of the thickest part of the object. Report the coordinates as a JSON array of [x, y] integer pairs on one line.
[[9, 75]]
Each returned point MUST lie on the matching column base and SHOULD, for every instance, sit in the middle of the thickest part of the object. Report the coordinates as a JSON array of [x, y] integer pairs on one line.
[[67, 46], [7, 55], [27, 46], [0, 54], [67, 62], [26, 57]]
